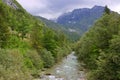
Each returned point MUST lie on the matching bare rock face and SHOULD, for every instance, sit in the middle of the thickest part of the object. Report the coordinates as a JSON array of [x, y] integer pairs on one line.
[[10, 3]]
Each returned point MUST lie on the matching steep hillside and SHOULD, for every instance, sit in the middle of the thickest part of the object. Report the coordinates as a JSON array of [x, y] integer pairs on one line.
[[71, 34], [51, 24], [27, 45], [99, 48], [75, 23], [81, 19]]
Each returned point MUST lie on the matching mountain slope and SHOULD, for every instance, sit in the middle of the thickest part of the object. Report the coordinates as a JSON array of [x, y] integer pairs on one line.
[[51, 24], [81, 19], [71, 34], [27, 45], [99, 48]]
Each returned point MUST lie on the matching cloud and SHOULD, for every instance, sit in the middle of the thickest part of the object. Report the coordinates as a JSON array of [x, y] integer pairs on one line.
[[53, 8], [33, 6]]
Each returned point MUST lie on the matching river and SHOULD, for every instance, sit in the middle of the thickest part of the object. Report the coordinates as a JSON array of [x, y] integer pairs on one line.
[[68, 69]]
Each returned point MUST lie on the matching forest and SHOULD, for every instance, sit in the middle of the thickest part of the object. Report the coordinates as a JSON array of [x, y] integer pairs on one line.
[[99, 48], [27, 45]]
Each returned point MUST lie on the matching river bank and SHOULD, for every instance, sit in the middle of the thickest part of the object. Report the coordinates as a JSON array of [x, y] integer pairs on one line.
[[67, 69]]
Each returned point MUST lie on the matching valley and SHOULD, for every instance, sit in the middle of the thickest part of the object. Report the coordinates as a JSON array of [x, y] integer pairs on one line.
[[82, 44]]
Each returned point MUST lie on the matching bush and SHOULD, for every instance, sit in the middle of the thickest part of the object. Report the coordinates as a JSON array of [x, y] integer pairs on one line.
[[12, 66], [36, 59], [47, 58]]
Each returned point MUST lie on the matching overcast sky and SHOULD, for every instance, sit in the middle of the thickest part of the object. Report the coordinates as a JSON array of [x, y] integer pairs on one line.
[[53, 8]]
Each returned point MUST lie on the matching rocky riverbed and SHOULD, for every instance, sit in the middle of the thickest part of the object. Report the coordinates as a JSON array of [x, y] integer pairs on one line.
[[68, 69]]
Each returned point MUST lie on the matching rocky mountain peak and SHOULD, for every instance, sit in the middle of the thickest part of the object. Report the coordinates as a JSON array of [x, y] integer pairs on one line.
[[10, 3], [81, 19]]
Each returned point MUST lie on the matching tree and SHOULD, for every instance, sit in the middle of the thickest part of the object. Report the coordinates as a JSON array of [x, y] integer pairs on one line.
[[107, 10], [47, 58], [49, 40], [99, 48], [4, 35]]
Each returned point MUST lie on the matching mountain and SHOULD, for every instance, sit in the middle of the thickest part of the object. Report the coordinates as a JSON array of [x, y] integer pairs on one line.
[[27, 45], [71, 34], [74, 23], [80, 19], [51, 24]]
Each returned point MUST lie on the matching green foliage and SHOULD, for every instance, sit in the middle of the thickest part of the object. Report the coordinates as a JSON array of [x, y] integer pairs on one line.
[[37, 36], [115, 44], [107, 10], [47, 58], [26, 44], [35, 59], [4, 34], [61, 52], [49, 40], [73, 36], [99, 49], [12, 66]]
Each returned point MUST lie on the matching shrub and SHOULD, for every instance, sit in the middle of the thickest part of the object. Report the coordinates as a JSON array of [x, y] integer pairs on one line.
[[12, 67], [47, 58]]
